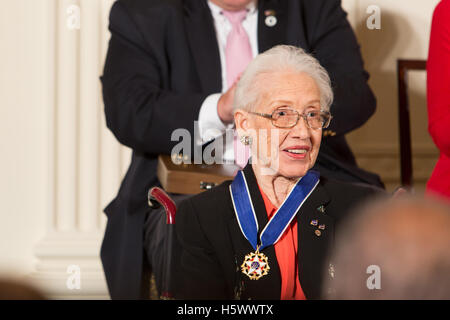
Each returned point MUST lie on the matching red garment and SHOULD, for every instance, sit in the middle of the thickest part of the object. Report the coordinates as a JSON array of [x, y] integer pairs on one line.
[[438, 84], [286, 250]]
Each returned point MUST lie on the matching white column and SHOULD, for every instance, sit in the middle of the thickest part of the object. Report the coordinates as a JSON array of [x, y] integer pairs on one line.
[[88, 186], [67, 93], [85, 167], [51, 113]]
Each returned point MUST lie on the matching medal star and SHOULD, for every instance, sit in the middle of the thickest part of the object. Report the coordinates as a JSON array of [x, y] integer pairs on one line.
[[255, 266]]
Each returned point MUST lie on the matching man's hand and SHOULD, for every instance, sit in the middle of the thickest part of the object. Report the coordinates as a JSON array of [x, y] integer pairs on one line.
[[225, 105]]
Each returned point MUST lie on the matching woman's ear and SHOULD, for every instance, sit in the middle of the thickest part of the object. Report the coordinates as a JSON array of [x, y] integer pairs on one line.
[[241, 120]]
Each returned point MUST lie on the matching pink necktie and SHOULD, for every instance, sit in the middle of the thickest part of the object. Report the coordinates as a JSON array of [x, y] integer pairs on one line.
[[238, 54]]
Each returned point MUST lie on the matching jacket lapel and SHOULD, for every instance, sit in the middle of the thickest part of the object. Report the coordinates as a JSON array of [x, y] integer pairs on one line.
[[289, 28], [202, 40], [315, 233], [269, 286], [270, 36]]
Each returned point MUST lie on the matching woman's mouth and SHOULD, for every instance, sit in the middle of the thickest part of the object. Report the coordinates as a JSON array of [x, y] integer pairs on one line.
[[297, 152]]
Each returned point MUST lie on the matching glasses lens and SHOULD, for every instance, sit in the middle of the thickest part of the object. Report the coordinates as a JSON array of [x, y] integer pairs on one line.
[[314, 119], [318, 120], [284, 118]]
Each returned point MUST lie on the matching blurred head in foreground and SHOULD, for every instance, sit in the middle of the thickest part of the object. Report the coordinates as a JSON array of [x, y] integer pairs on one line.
[[395, 249], [16, 290]]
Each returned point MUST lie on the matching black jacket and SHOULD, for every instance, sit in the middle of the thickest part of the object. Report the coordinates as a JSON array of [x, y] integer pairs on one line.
[[214, 247], [163, 61]]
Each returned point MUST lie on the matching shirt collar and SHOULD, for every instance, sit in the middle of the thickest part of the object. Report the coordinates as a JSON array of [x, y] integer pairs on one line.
[[217, 11]]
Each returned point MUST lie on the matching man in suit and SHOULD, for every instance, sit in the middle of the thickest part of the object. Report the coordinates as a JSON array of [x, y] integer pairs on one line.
[[166, 68]]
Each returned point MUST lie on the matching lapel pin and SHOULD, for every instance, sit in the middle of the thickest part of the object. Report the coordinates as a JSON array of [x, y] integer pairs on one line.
[[271, 20], [321, 209], [318, 233], [314, 222], [322, 227]]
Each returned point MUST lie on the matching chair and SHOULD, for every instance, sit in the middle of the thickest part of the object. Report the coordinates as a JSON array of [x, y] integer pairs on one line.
[[157, 197], [403, 67]]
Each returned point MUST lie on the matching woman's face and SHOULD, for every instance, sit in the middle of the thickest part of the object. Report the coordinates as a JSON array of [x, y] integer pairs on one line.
[[289, 152]]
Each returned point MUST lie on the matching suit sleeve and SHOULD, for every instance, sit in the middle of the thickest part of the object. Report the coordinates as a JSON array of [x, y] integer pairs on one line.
[[334, 44], [140, 108], [439, 78], [200, 274]]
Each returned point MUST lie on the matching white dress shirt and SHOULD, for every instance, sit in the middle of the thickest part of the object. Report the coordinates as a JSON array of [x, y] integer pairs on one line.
[[209, 123]]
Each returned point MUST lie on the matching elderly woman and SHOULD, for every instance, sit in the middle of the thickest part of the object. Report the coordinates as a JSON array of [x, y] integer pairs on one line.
[[266, 234]]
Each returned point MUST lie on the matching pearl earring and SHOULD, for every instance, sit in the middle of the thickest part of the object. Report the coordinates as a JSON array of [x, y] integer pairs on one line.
[[246, 140]]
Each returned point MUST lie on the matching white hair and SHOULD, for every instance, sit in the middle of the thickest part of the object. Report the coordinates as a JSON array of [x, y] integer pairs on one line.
[[278, 59]]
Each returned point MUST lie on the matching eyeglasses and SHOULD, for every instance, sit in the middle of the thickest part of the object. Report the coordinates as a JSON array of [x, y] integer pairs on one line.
[[288, 118]]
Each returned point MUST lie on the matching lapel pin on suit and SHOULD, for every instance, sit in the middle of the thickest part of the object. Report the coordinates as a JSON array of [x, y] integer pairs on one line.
[[271, 19], [320, 227], [321, 209]]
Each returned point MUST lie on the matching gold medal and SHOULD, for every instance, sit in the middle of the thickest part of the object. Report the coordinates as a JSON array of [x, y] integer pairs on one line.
[[255, 265]]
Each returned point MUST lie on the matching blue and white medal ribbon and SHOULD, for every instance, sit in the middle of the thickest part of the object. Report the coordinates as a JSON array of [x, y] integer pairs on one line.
[[256, 264]]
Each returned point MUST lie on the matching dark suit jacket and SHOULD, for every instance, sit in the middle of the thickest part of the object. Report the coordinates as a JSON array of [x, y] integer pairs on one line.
[[214, 247], [163, 61]]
